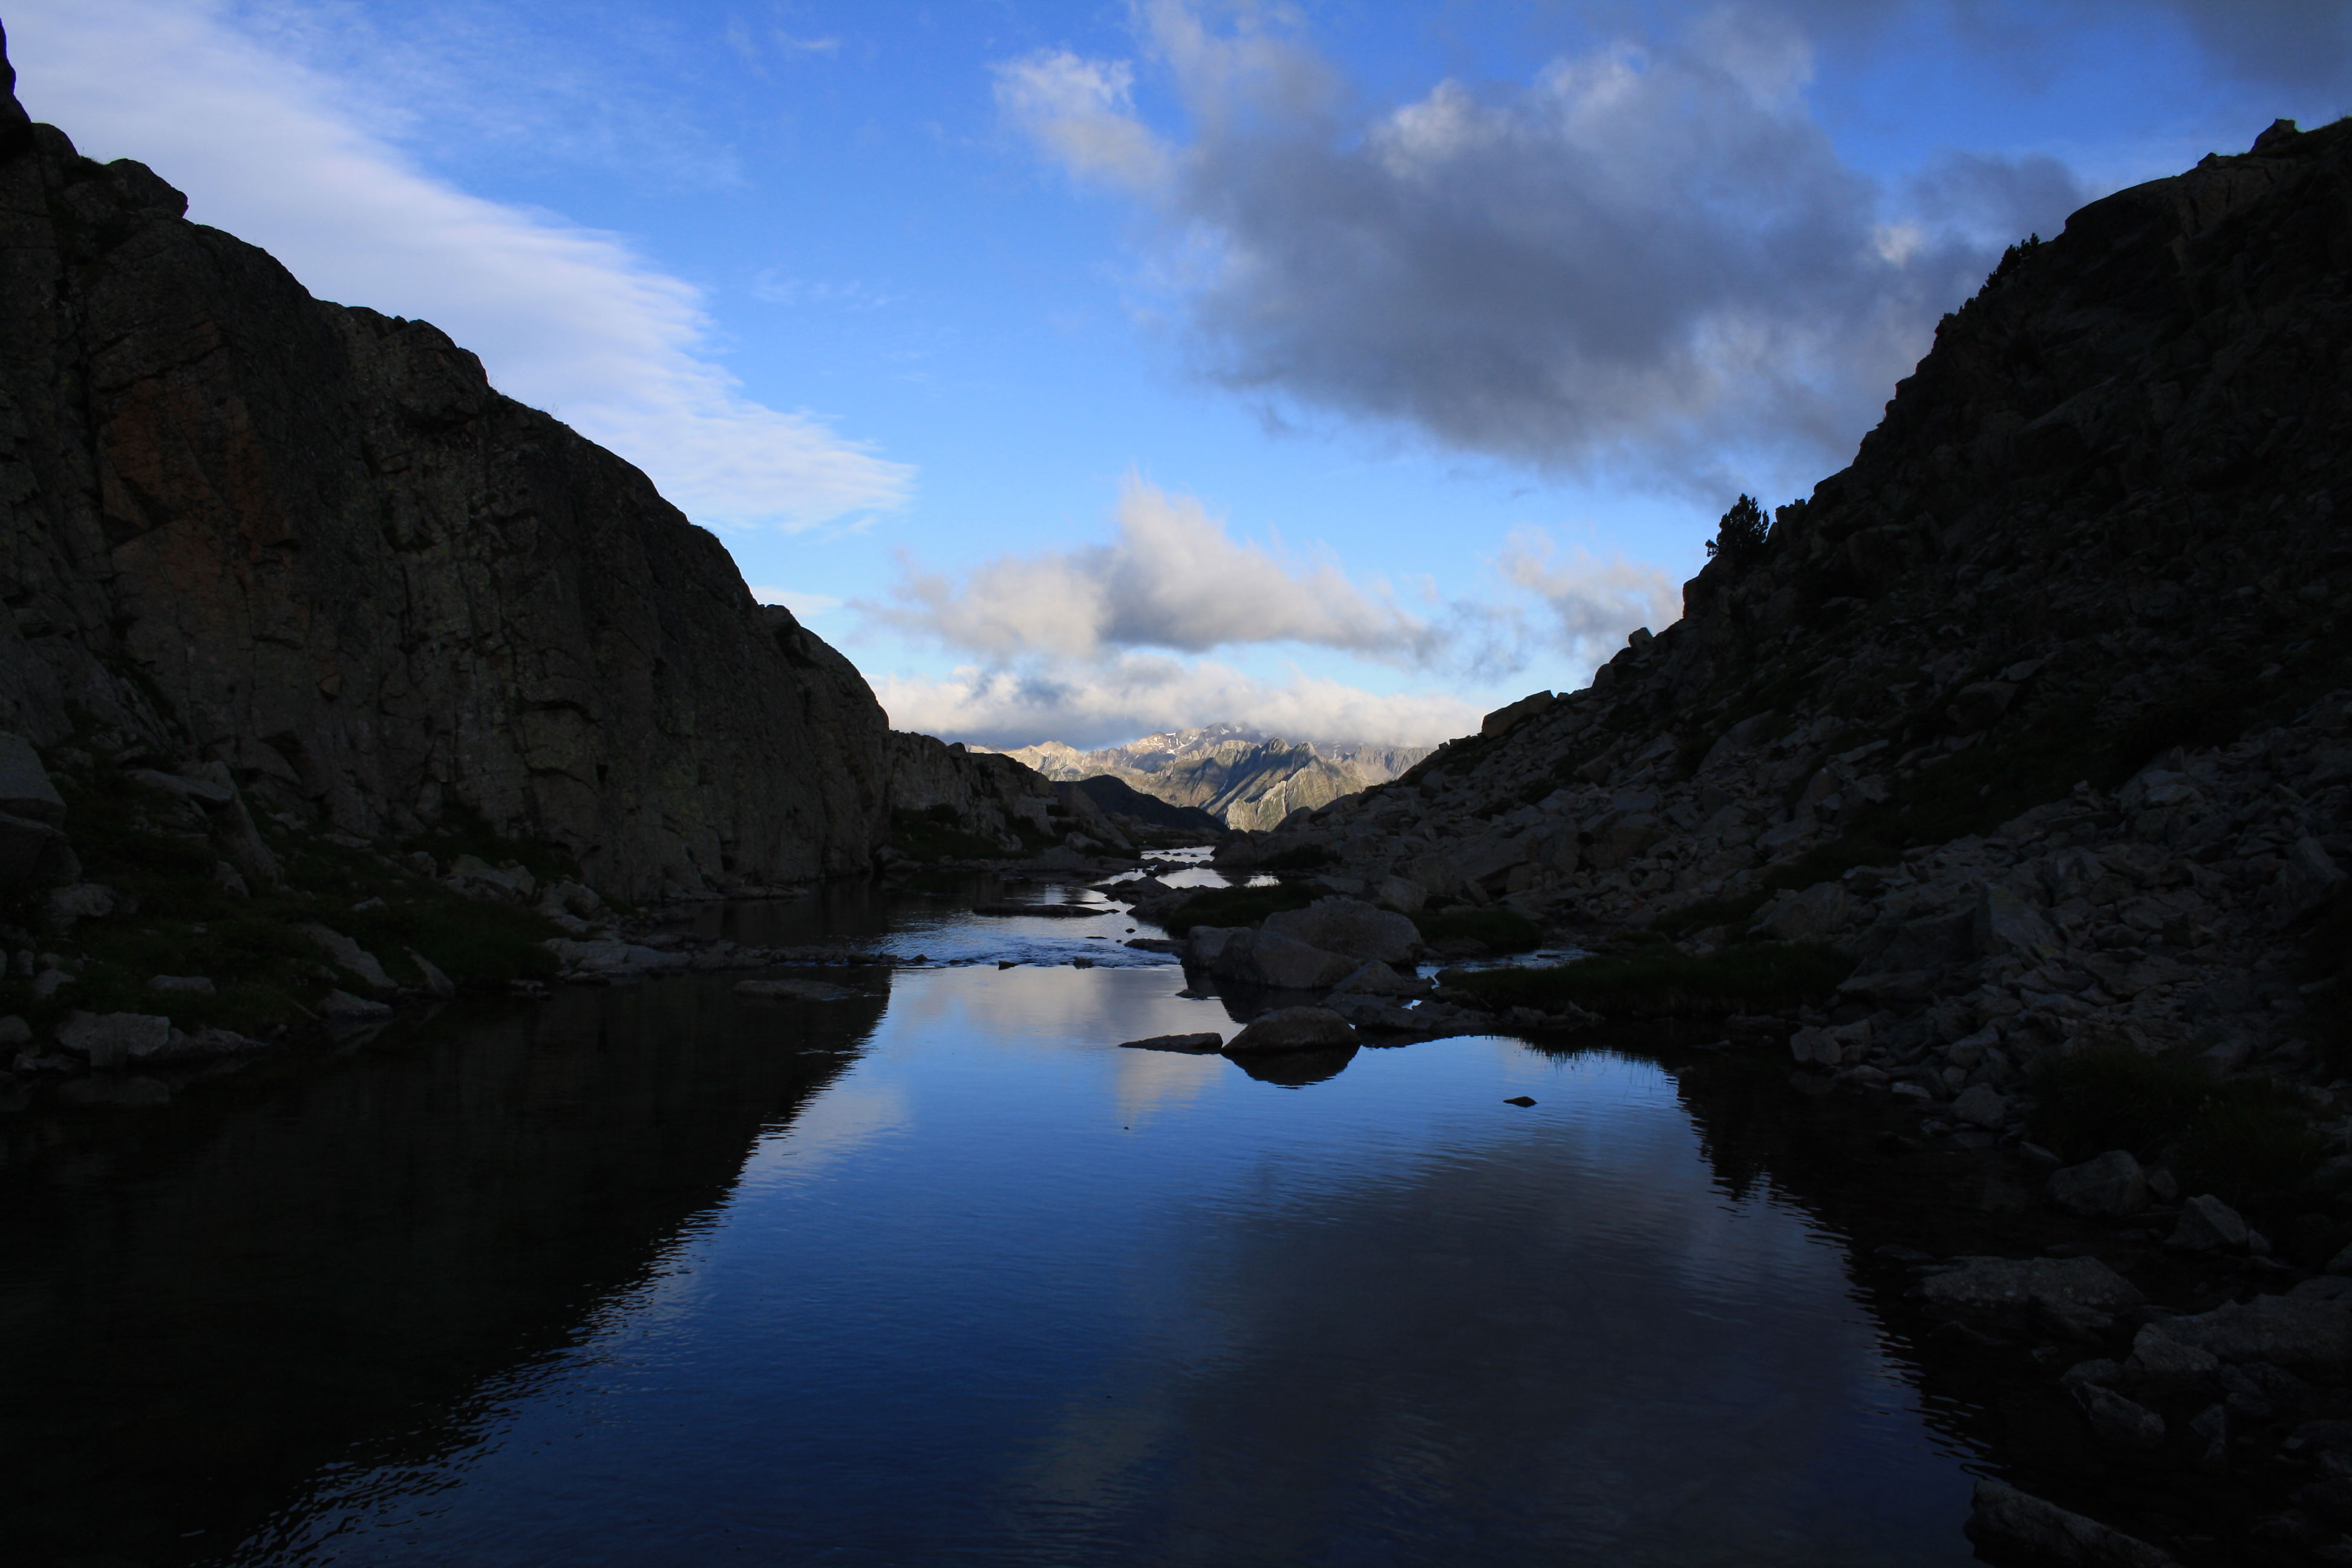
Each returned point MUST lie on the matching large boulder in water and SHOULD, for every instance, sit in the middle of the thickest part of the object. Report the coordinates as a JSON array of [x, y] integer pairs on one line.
[[1352, 927], [1293, 1029]]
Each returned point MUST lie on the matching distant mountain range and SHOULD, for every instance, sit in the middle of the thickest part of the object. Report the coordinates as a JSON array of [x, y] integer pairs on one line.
[[1243, 778]]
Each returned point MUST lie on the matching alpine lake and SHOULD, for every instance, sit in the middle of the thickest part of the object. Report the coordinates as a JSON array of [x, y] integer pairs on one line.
[[663, 1273]]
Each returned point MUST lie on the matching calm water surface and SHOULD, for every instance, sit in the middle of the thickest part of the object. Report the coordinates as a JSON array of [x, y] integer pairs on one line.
[[663, 1276]]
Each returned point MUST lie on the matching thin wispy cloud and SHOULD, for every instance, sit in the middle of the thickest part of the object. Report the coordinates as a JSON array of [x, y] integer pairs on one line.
[[563, 318]]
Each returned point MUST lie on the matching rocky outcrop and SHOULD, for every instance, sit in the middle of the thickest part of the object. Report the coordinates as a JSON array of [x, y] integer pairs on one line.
[[2038, 710], [310, 545], [990, 799], [1135, 810]]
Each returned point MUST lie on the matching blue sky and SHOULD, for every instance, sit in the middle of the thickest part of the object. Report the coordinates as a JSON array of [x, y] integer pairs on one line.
[[1088, 369]]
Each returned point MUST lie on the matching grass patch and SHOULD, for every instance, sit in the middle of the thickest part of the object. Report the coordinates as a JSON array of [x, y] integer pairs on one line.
[[172, 917], [2246, 1140], [1667, 983], [1237, 906], [1498, 930]]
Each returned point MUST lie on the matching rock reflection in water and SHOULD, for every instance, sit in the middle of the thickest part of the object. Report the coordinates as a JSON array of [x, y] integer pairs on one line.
[[662, 1276], [1295, 1069], [321, 1265], [1005, 1293]]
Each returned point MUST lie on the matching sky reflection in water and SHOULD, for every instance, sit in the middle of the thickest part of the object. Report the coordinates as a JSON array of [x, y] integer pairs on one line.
[[1001, 1293]]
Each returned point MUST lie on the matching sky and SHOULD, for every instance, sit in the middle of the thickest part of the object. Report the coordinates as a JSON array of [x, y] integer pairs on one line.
[[1341, 370]]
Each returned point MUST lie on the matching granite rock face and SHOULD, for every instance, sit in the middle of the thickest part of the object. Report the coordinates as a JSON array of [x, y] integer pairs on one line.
[[2040, 712], [312, 545]]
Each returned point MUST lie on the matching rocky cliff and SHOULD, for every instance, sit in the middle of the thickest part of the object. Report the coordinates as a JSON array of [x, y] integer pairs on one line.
[[2089, 580], [310, 544], [2035, 715]]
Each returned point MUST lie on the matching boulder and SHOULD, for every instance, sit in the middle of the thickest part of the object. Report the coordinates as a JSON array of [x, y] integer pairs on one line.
[[1206, 944], [1369, 1012], [1981, 1106], [2167, 1365], [2117, 1420], [1379, 979], [79, 901], [2008, 1525], [476, 878], [2004, 923], [1293, 1029], [436, 983], [1809, 916], [1276, 961], [1350, 926], [1403, 892], [2071, 1287], [14, 1031], [342, 1007], [182, 984], [2304, 1333], [1438, 876], [2206, 1225], [1619, 839], [1204, 1044], [1832, 1047], [2110, 1187], [202, 792], [113, 1039], [1979, 706], [2307, 879], [25, 787], [1527, 707], [349, 955], [34, 851]]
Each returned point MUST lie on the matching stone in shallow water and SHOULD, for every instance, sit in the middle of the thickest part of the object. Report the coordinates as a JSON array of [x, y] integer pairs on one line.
[[1202, 1044], [1294, 1029]]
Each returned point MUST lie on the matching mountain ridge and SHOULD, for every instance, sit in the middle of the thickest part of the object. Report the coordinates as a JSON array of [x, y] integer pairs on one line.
[[1245, 778]]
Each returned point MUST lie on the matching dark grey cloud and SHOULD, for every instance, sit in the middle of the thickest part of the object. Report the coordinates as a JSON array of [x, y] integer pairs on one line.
[[2299, 44], [1652, 260]]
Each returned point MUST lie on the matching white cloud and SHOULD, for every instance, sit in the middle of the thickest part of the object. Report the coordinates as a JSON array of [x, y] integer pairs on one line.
[[1082, 112], [563, 318], [1172, 579], [1115, 699], [1595, 603]]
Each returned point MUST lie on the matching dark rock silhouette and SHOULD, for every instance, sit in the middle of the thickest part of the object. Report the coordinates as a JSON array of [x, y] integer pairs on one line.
[[313, 543]]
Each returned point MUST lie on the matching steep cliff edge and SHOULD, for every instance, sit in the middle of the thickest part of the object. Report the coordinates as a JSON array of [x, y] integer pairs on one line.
[[311, 543], [2102, 527]]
